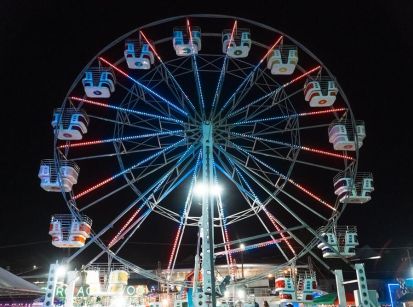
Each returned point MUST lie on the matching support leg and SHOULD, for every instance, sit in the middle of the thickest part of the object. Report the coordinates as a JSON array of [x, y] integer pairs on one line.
[[340, 288]]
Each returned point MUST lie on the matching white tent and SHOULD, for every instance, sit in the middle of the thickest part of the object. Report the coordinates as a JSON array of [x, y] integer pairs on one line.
[[13, 285]]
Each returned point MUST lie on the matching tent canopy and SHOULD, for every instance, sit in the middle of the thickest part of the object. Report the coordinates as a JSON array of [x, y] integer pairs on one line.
[[11, 284], [332, 299]]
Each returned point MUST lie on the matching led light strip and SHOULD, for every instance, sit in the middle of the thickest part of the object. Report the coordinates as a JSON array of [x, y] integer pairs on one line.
[[269, 215], [274, 91], [197, 78], [100, 104], [308, 192], [290, 116], [167, 70], [221, 75], [252, 72], [98, 185], [119, 235], [314, 150], [125, 138], [185, 213], [249, 247], [143, 86]]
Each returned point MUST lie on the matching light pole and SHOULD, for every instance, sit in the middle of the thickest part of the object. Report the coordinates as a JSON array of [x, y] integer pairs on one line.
[[242, 246]]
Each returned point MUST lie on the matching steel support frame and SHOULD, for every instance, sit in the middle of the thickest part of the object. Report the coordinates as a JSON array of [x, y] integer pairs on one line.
[[207, 296]]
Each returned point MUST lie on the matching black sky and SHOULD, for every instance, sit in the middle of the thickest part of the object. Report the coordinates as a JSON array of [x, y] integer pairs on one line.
[[44, 44]]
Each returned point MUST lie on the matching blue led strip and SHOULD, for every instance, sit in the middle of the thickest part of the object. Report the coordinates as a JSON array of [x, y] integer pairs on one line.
[[294, 146], [158, 185], [98, 185], [297, 185], [125, 138], [248, 77], [219, 85], [272, 219], [100, 104], [274, 91], [167, 70], [222, 73], [144, 87], [196, 71], [281, 117], [253, 102], [185, 213]]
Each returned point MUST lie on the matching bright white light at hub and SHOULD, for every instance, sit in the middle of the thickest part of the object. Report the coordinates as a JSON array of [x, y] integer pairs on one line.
[[61, 271], [241, 294], [216, 189], [201, 189], [242, 246]]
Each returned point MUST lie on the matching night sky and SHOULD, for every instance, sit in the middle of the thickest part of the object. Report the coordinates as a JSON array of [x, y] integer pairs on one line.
[[366, 44]]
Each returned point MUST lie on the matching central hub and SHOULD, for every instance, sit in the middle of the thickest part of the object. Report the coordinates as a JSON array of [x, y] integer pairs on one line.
[[207, 128]]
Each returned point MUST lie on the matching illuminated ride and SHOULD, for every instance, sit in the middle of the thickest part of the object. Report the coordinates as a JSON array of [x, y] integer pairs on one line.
[[173, 117]]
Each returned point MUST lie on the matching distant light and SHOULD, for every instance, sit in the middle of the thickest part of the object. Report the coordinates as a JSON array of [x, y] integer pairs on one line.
[[61, 271], [165, 302], [368, 258], [202, 189], [375, 257], [242, 246], [270, 275], [241, 294], [34, 267]]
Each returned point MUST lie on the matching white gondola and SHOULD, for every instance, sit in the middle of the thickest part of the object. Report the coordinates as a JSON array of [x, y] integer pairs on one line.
[[99, 82], [138, 55], [283, 60], [118, 279], [320, 93], [306, 285], [68, 231], [237, 46], [342, 240], [354, 192], [285, 287], [343, 137], [49, 175], [70, 124], [182, 42], [330, 247]]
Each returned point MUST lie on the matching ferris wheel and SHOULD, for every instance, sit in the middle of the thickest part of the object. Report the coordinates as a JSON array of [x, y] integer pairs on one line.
[[217, 124]]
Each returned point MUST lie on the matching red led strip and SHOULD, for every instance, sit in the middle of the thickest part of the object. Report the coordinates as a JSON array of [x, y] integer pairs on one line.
[[301, 76], [273, 221], [311, 194], [117, 236]]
